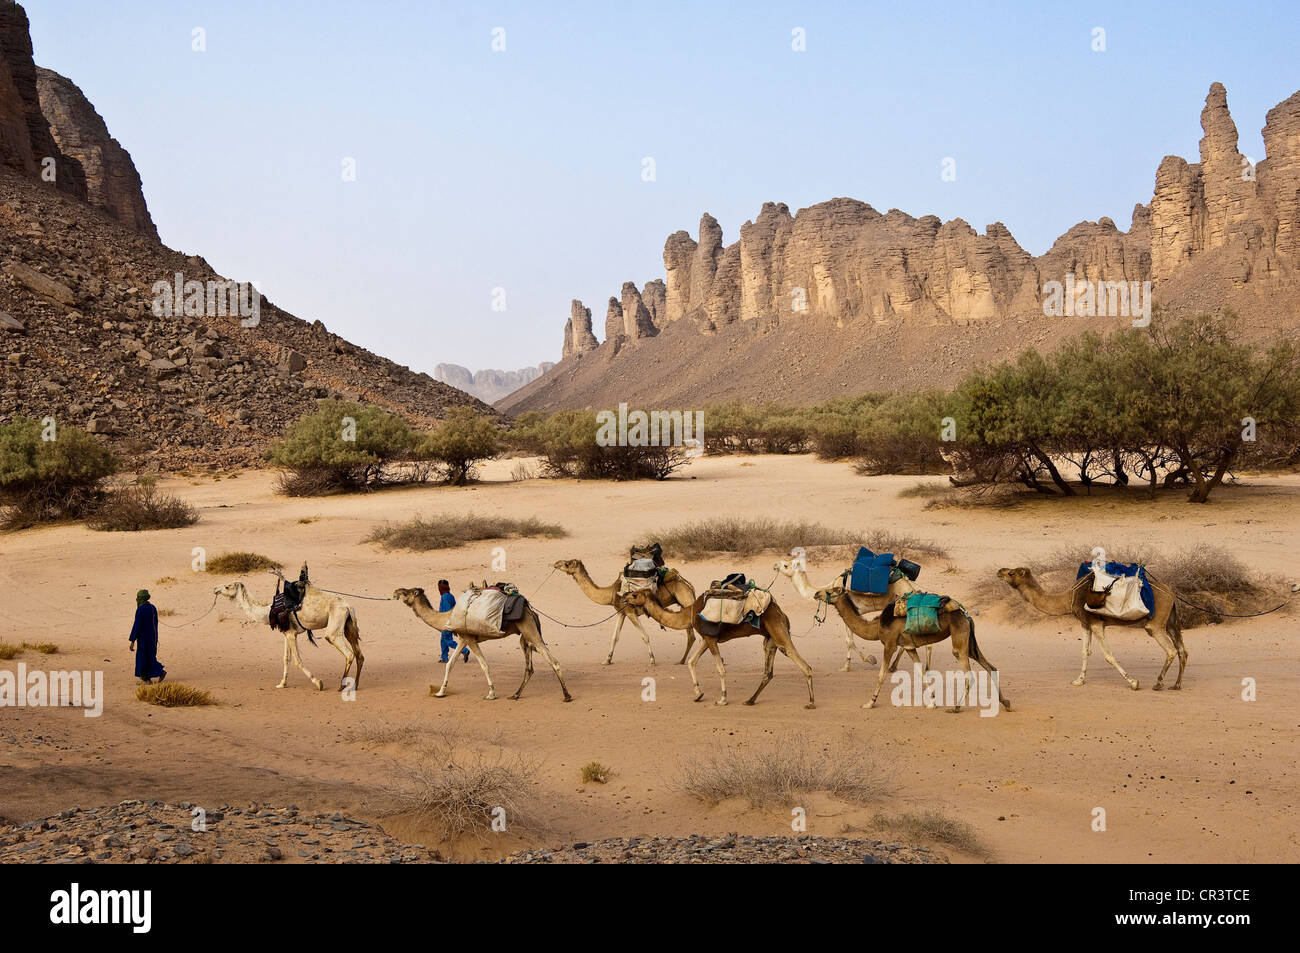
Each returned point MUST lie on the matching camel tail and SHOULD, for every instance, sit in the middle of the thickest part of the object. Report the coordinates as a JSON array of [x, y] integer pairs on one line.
[[352, 631], [1175, 629], [973, 646]]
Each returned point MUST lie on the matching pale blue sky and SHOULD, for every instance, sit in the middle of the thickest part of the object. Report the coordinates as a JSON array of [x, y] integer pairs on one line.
[[522, 169]]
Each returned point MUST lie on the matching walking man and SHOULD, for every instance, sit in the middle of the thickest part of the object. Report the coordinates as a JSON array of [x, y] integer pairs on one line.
[[446, 603]]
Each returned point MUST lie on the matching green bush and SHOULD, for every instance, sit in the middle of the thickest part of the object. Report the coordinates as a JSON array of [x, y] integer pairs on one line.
[[43, 479], [341, 446], [462, 440]]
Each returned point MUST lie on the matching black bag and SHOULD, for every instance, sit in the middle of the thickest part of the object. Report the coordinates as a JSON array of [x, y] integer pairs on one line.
[[908, 568]]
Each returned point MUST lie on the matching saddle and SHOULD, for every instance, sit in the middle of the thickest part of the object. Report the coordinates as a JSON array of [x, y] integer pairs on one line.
[[287, 601]]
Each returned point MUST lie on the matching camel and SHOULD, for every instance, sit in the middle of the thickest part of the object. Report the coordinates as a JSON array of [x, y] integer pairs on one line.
[[529, 630], [889, 630], [675, 591], [1162, 625], [773, 625], [862, 601], [322, 614]]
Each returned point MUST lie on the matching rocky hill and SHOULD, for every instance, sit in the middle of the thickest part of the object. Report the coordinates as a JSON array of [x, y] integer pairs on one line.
[[840, 298], [491, 385], [83, 337]]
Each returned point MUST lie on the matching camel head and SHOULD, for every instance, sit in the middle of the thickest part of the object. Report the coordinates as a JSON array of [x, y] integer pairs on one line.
[[829, 594], [570, 566], [784, 568], [638, 598], [230, 590], [409, 596], [1016, 578]]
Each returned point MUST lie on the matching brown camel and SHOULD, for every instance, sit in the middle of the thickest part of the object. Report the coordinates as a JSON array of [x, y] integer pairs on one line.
[[888, 629], [676, 591], [773, 625], [863, 602], [529, 630], [1162, 625], [321, 613]]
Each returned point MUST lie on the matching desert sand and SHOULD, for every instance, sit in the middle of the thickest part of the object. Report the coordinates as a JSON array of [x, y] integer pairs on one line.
[[1199, 775]]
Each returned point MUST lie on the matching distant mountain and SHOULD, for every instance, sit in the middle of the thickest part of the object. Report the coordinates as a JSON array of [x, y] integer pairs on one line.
[[491, 385], [840, 298], [84, 333]]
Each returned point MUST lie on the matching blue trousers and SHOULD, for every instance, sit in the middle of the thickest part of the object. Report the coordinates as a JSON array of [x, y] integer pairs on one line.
[[449, 643]]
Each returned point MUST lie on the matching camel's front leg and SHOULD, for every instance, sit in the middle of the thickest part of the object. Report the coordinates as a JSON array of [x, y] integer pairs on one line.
[[334, 636], [645, 637], [690, 639], [848, 650], [284, 676], [1110, 657], [528, 667], [478, 654], [887, 664], [1087, 650], [555, 666], [722, 673], [293, 645], [618, 627], [1165, 642], [690, 666], [446, 673], [769, 655]]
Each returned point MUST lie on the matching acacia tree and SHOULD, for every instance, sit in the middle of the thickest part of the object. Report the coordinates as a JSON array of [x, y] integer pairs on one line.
[[462, 441]]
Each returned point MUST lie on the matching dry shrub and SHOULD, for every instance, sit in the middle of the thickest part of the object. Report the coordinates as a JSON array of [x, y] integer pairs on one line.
[[136, 508], [238, 563], [593, 772], [523, 470], [927, 489], [458, 786], [940, 828], [45, 648], [781, 770], [449, 530], [8, 651], [747, 537], [174, 695]]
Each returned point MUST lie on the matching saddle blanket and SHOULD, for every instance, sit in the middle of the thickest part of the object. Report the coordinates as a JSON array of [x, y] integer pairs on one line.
[[1130, 596], [479, 611], [728, 609]]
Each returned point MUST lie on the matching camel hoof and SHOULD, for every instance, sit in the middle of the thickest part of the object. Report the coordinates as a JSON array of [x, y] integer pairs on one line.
[[868, 705], [845, 667], [1077, 682], [439, 694], [514, 697], [1006, 705], [490, 697], [952, 711], [750, 702], [1175, 688], [1157, 687], [1133, 684], [721, 702], [320, 686], [809, 707], [608, 661], [281, 685], [568, 698], [699, 697]]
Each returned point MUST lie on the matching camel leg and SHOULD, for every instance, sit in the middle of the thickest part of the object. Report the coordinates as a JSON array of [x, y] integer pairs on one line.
[[690, 665], [887, 664], [1110, 656], [528, 666], [292, 639], [1182, 663], [722, 673], [555, 666], [1087, 650], [482, 662], [769, 654], [645, 637], [1165, 642], [446, 673], [993, 674], [690, 638], [618, 627], [790, 652], [284, 678], [848, 650], [346, 651], [963, 660]]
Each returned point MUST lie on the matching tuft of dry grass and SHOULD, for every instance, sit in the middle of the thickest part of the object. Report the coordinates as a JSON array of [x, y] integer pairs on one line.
[[164, 581], [238, 563], [938, 827], [45, 648], [303, 521], [927, 489], [593, 772], [462, 787], [8, 651], [174, 695], [448, 530], [782, 770], [737, 536]]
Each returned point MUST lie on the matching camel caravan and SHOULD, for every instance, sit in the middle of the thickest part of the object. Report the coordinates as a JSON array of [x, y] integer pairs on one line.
[[876, 598]]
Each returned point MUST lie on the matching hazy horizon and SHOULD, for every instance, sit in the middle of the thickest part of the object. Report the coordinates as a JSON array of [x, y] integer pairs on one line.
[[523, 169]]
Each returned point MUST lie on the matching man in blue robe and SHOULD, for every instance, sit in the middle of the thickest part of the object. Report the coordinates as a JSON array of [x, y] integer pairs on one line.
[[144, 640], [446, 603]]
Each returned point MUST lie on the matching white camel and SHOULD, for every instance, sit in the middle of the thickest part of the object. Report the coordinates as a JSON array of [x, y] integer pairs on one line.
[[321, 614]]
